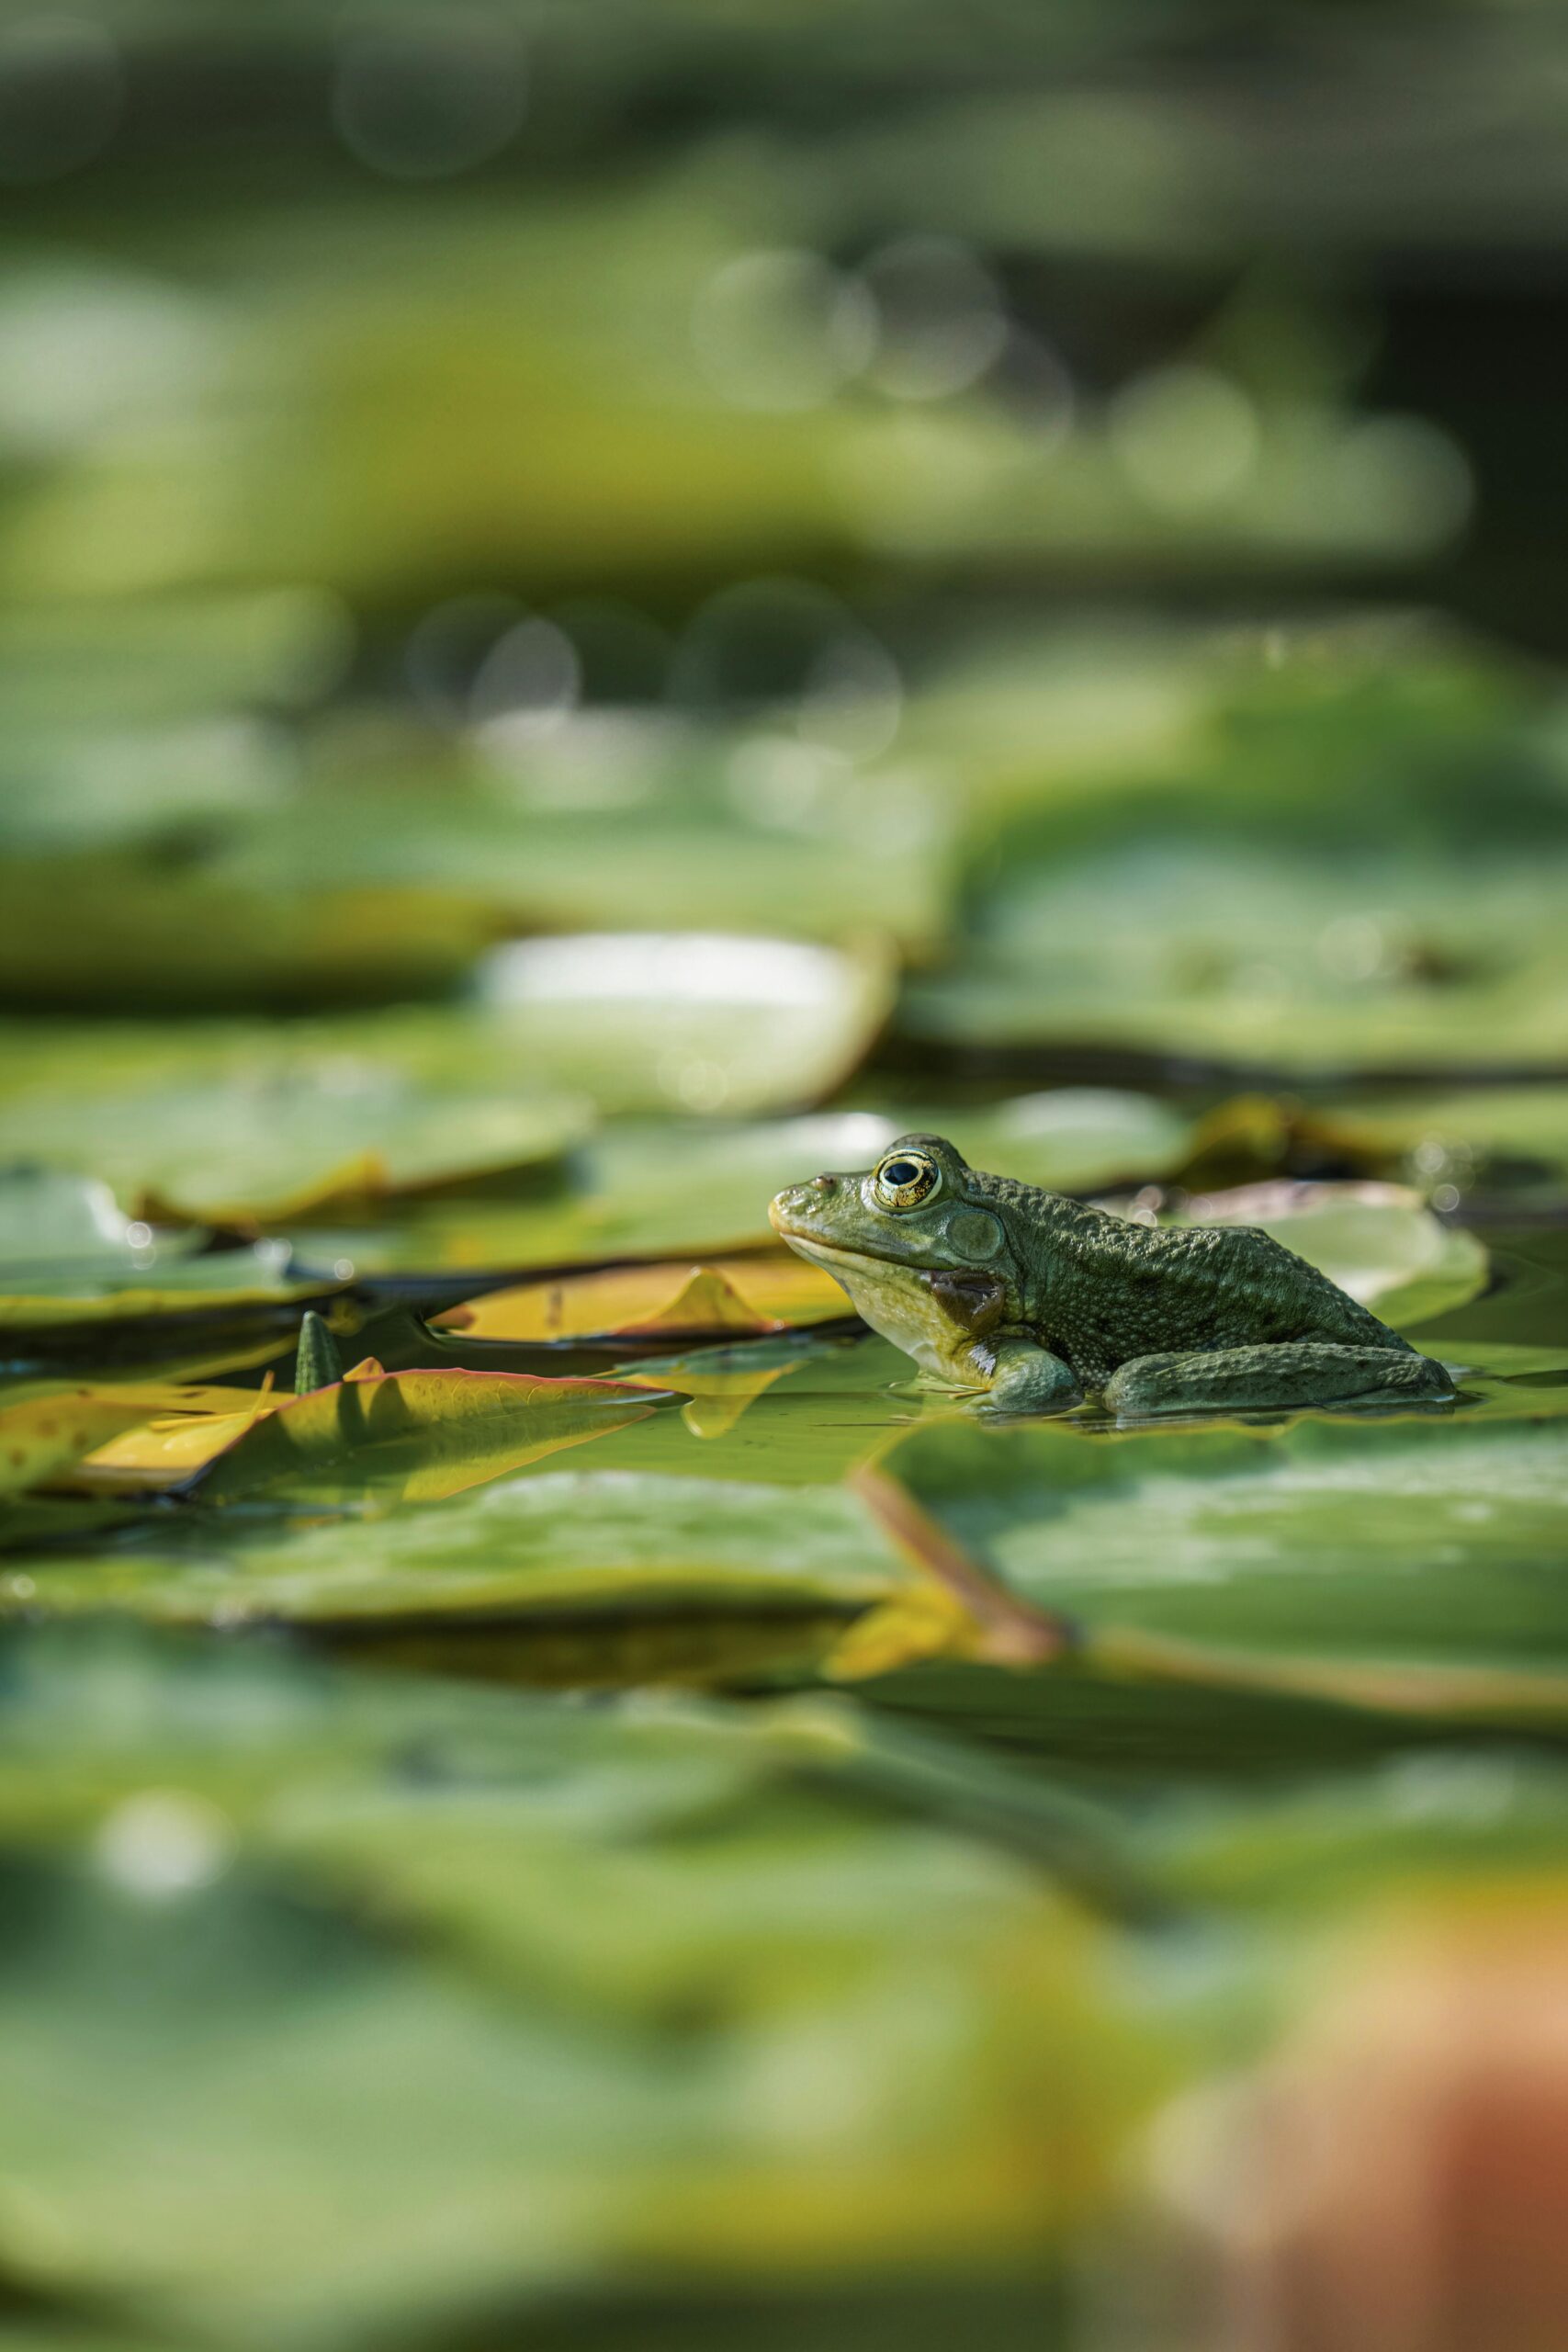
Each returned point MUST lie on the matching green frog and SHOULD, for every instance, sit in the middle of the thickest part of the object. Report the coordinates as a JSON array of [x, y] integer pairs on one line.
[[1032, 1301]]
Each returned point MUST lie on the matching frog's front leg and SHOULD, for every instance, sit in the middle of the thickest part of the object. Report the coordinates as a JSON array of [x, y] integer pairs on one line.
[[1029, 1379], [1278, 1378]]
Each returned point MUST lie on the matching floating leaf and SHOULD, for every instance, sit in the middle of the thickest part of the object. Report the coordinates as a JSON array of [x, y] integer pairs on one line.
[[840, 1403], [1353, 869], [70, 1228], [331, 1137], [170, 1446], [724, 1296], [695, 1020], [69, 1256], [1391, 1565], [646, 1189], [1069, 1138], [142, 938], [1501, 1138], [45, 1429], [608, 1546], [413, 1435], [604, 1943], [220, 1283], [677, 837]]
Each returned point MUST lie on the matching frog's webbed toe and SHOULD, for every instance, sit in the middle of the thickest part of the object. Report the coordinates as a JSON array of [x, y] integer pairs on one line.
[[1275, 1379]]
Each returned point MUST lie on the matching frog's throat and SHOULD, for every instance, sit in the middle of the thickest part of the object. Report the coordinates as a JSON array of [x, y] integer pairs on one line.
[[892, 1296]]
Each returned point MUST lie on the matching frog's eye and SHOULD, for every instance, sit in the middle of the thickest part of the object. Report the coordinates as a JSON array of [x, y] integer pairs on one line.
[[905, 1179]]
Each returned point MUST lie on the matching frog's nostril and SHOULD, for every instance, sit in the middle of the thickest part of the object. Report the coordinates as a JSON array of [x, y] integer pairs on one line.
[[821, 1183]]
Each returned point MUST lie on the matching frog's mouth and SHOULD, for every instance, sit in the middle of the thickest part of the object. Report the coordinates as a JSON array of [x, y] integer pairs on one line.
[[834, 1253]]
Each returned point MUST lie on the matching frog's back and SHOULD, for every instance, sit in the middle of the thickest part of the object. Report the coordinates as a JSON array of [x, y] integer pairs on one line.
[[1102, 1291]]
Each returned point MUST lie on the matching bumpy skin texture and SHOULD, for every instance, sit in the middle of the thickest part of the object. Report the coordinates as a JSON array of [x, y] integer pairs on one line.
[[1035, 1301]]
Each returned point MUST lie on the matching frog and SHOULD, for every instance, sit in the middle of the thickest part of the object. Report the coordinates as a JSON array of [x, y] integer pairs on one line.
[[1027, 1301]]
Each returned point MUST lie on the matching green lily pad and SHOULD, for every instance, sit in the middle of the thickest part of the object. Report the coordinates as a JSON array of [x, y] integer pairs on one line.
[[142, 938], [1413, 1821], [71, 1262], [1209, 913], [642, 1188], [613, 1547], [1497, 1138], [618, 818], [593, 1941], [70, 1228], [646, 1020], [113, 663], [219, 1283], [1069, 1138], [331, 1135], [1403, 1545]]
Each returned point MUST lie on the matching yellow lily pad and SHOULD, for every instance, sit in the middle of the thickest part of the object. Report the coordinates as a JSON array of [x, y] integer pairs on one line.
[[414, 1436], [45, 1430], [726, 1297]]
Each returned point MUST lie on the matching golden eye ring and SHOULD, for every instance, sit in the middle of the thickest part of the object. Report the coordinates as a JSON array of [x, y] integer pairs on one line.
[[905, 1179]]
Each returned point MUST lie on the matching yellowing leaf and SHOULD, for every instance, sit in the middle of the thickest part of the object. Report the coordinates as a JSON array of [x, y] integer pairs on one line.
[[729, 1296], [714, 1405], [43, 1433], [928, 1623], [168, 1449], [414, 1436]]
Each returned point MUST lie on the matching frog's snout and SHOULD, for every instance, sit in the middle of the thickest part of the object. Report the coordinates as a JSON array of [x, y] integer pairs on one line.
[[797, 1202]]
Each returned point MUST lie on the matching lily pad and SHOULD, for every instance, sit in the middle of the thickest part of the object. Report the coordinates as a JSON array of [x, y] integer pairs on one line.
[[140, 937], [701, 1021], [1208, 913], [331, 1136], [1069, 1138], [592, 1938], [610, 1545], [645, 1188], [412, 1435], [1395, 1563], [70, 1262], [70, 1228], [618, 821], [219, 1282], [46, 1428], [1501, 1139], [724, 1297]]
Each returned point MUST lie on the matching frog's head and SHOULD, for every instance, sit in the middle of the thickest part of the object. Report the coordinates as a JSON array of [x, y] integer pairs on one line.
[[923, 1255]]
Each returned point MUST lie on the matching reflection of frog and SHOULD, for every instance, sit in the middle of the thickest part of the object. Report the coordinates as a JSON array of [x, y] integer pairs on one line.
[[1035, 1300]]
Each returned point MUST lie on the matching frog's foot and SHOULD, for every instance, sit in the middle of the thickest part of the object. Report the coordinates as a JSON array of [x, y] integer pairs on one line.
[[1032, 1380], [1275, 1379]]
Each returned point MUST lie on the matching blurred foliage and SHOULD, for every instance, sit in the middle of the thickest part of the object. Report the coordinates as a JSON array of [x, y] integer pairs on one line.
[[600, 610]]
